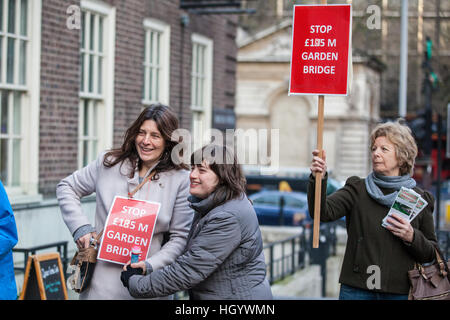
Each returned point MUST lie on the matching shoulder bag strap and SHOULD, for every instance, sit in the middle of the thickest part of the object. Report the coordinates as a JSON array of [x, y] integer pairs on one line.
[[147, 178], [99, 236], [443, 267]]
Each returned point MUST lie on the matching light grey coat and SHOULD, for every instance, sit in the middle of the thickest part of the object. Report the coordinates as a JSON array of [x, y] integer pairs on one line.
[[174, 218], [223, 259]]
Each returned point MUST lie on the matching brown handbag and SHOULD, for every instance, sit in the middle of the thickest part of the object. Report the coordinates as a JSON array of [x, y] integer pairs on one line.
[[430, 282], [82, 266]]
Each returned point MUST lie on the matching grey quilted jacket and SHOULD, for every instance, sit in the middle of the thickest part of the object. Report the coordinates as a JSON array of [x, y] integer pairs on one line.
[[223, 258]]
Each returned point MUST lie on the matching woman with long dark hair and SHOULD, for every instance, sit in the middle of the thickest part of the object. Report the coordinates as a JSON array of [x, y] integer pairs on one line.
[[145, 152], [224, 257]]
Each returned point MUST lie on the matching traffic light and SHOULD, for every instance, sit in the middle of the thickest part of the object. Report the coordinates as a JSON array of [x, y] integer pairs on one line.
[[429, 51], [430, 76], [418, 127], [430, 84], [434, 80]]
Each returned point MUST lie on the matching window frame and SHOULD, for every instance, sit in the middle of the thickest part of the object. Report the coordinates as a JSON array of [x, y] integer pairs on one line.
[[163, 29], [28, 189], [102, 98], [202, 114]]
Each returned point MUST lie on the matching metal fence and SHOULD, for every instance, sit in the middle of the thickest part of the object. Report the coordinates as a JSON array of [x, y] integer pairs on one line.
[[61, 248], [285, 257], [444, 242]]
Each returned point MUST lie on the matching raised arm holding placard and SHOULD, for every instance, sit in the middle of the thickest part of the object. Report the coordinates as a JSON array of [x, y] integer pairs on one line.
[[365, 202]]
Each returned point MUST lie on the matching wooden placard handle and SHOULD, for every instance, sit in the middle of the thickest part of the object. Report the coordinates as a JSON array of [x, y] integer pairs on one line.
[[318, 189]]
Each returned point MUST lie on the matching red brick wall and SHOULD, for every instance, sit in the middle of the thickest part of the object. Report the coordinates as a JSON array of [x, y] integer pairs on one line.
[[60, 74], [128, 70], [58, 123]]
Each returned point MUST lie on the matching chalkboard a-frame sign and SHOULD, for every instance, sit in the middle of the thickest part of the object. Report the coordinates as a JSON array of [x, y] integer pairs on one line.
[[44, 278]]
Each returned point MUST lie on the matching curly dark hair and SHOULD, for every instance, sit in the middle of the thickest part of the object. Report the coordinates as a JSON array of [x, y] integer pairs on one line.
[[166, 122]]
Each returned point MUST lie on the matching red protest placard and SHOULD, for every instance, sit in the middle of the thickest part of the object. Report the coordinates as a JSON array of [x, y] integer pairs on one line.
[[130, 222], [320, 49]]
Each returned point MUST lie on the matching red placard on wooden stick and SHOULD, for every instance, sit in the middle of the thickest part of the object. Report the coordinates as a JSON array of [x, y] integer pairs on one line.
[[320, 64], [320, 49]]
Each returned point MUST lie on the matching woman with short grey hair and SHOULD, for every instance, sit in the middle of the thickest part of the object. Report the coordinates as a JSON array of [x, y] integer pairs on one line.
[[390, 250], [405, 145]]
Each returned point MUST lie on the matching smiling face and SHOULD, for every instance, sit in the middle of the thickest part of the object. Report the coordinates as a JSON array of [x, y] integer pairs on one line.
[[203, 180], [149, 144], [384, 159]]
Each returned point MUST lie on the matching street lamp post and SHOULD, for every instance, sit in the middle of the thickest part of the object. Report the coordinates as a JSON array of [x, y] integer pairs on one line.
[[403, 60]]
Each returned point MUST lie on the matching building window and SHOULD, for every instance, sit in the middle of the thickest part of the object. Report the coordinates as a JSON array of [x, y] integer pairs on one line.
[[92, 53], [96, 81], [156, 62], [13, 47], [20, 24], [88, 125], [10, 137], [198, 76], [201, 88]]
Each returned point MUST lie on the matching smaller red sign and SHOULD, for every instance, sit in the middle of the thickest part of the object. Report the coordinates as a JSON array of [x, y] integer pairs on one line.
[[320, 49], [130, 223]]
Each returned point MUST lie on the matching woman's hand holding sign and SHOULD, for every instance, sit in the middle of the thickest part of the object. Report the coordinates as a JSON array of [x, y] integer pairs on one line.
[[138, 268], [318, 164], [127, 273], [140, 264]]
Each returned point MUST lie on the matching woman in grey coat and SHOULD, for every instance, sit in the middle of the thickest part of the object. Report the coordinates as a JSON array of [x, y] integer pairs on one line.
[[223, 258], [146, 149]]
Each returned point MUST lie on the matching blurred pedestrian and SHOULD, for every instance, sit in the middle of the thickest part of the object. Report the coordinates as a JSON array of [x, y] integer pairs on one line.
[[224, 256], [8, 239], [146, 150], [364, 203]]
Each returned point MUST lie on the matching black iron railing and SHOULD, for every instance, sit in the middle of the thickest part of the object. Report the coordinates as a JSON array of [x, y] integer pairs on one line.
[[444, 242], [287, 256], [61, 247]]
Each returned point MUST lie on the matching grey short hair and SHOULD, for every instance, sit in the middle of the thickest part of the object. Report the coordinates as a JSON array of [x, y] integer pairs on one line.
[[401, 137]]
